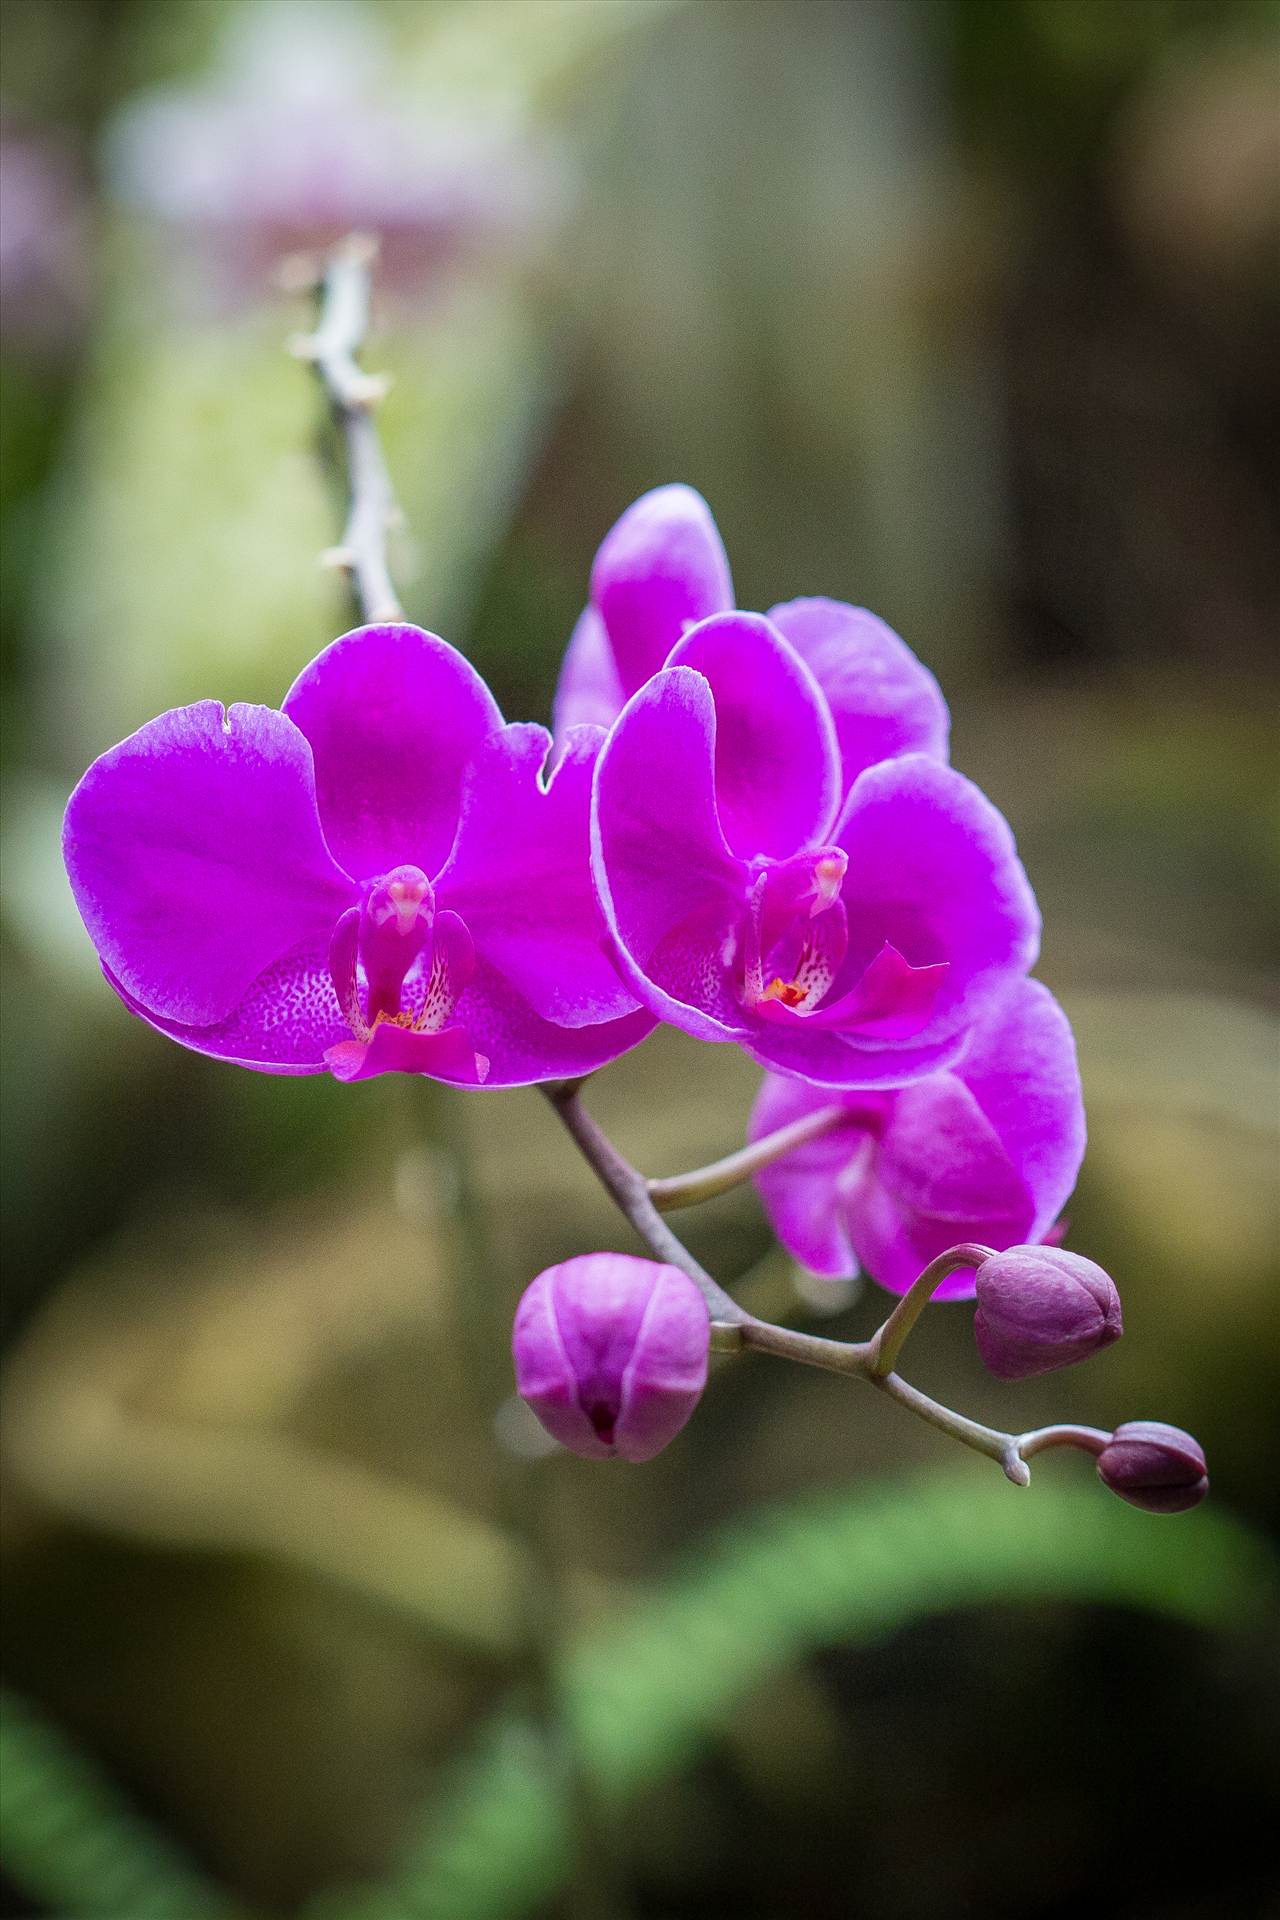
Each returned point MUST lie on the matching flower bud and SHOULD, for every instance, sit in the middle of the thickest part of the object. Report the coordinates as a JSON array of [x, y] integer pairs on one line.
[[611, 1353], [1040, 1308], [1155, 1467]]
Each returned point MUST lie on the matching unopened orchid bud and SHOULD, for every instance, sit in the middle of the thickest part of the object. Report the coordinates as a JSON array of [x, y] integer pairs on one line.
[[611, 1353], [1155, 1467], [1040, 1308]]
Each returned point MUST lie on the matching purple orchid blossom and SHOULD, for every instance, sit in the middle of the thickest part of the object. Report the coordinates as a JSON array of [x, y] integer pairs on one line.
[[299, 133], [374, 879], [852, 940], [987, 1151], [662, 568]]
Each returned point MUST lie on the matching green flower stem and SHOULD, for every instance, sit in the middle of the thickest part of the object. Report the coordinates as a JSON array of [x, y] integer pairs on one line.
[[1001, 1447], [1087, 1439], [721, 1176], [861, 1359], [733, 1329], [630, 1190], [892, 1337]]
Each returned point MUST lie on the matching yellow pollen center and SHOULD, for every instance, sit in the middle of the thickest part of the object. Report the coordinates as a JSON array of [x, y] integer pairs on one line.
[[790, 992]]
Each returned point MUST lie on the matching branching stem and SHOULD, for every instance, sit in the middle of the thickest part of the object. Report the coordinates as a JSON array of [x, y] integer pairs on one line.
[[733, 1328], [705, 1183], [892, 1337], [630, 1190]]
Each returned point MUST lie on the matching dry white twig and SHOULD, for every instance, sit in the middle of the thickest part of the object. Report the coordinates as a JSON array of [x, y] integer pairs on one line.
[[344, 285]]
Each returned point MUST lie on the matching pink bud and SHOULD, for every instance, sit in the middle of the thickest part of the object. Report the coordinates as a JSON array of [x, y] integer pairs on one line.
[[1155, 1467], [611, 1353], [1040, 1308]]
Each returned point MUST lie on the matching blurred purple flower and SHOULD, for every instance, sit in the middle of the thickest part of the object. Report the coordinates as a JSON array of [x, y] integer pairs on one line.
[[851, 941], [662, 568], [298, 137], [1153, 1466], [1041, 1308], [611, 1353], [374, 879], [988, 1150], [43, 257]]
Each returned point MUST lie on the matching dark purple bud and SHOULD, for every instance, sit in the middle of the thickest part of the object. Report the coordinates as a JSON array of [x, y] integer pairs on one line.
[[611, 1353], [1155, 1467], [1040, 1308]]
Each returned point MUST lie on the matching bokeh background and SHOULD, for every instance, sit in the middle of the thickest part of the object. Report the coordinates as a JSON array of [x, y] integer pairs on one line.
[[961, 309]]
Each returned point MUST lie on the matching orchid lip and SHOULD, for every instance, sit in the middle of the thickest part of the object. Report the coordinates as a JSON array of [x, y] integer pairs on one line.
[[794, 946]]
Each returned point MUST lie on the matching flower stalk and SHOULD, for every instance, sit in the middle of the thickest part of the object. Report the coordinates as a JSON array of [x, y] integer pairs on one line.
[[344, 290], [721, 1176], [733, 1329], [893, 1335]]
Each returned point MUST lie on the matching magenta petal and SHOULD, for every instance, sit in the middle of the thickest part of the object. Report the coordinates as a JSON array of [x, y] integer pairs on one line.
[[883, 700], [344, 947], [908, 1175], [522, 1048], [933, 871], [777, 767], [659, 569], [589, 691], [805, 1192], [986, 1151], [285, 1023], [668, 883], [1021, 1069], [196, 857], [453, 963], [890, 996], [687, 970], [393, 715], [941, 1175], [520, 875], [893, 996], [837, 1060], [447, 1055]]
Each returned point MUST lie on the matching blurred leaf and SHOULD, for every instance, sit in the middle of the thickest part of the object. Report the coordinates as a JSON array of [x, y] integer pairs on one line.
[[644, 1692], [70, 1838]]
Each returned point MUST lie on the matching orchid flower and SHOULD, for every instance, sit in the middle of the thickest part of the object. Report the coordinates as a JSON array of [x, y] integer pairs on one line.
[[851, 939], [376, 878], [662, 568], [986, 1151]]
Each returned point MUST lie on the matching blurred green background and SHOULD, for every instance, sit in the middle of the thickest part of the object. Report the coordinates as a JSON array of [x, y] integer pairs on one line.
[[961, 309]]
